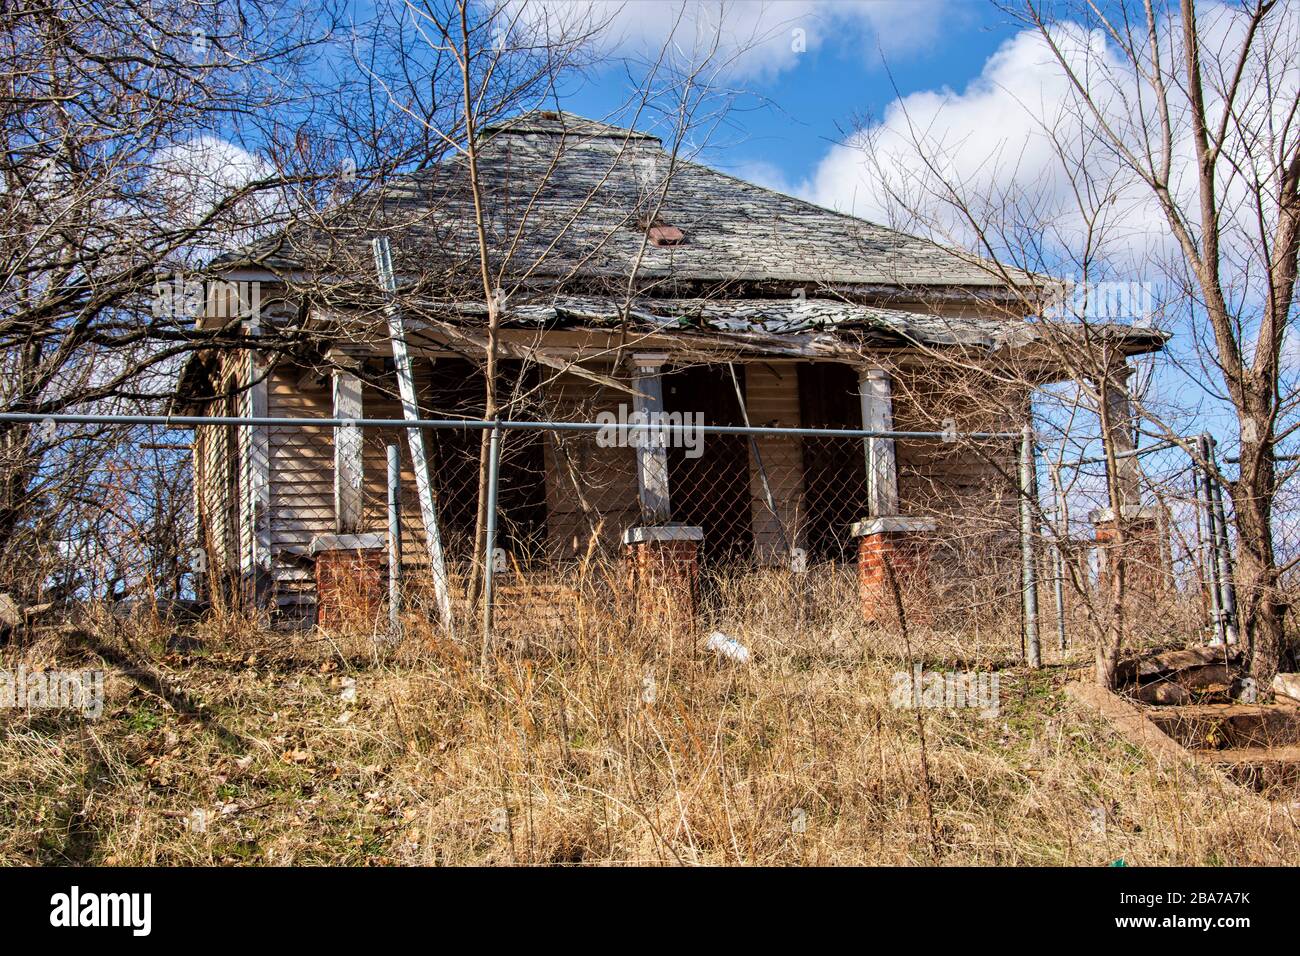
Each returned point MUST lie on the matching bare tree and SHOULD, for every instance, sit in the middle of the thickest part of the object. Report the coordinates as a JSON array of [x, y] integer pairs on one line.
[[134, 143], [1175, 114], [1222, 83]]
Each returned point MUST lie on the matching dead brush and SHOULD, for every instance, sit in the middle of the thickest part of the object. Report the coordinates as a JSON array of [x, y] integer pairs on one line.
[[590, 741]]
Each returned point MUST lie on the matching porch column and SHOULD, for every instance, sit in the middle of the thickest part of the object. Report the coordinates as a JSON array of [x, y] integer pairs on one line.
[[259, 484], [651, 456], [662, 558], [882, 467], [1119, 412], [1146, 543], [348, 454], [885, 537]]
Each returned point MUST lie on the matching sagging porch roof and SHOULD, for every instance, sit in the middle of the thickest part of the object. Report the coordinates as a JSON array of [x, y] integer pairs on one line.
[[567, 202], [809, 329], [871, 325]]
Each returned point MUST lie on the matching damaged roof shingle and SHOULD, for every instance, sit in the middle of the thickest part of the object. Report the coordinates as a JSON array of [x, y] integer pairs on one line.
[[568, 197], [772, 317]]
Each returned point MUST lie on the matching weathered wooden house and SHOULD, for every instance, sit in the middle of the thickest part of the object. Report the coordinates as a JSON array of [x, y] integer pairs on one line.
[[628, 278]]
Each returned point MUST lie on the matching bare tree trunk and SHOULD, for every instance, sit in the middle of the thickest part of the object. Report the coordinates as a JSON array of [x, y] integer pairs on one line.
[[493, 306], [1261, 608]]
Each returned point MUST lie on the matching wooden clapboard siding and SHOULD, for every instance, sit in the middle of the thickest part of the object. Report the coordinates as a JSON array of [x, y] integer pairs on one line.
[[772, 399], [227, 530], [301, 481], [302, 464], [949, 481], [302, 469], [607, 475]]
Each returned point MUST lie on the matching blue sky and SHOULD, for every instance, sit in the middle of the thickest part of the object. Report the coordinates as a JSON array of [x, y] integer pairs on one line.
[[977, 82], [790, 117]]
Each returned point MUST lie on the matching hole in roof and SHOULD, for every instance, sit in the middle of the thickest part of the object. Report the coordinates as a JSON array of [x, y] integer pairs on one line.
[[662, 234]]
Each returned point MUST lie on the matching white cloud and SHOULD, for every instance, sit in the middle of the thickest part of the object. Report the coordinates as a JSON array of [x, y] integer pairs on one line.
[[191, 179], [746, 39], [1018, 144], [998, 139], [200, 173]]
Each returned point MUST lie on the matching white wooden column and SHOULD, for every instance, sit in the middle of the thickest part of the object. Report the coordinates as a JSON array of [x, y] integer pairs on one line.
[[1119, 412], [259, 462], [651, 456], [349, 453], [414, 435], [882, 467]]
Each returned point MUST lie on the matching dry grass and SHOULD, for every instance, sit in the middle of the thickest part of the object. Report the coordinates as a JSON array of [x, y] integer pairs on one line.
[[592, 743]]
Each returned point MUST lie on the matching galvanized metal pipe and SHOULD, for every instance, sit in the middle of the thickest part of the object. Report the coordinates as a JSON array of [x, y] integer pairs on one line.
[[189, 421], [1130, 453], [1061, 513], [490, 538], [394, 542], [1227, 589], [1210, 554], [1028, 508], [1059, 592]]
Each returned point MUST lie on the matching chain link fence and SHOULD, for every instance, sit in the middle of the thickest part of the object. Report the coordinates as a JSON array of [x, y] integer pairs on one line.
[[238, 510], [1174, 541]]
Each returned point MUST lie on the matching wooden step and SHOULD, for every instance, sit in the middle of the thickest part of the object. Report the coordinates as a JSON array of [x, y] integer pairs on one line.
[[1229, 726], [1152, 666], [1270, 770]]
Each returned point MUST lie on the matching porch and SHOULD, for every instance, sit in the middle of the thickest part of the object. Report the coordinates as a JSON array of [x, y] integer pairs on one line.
[[767, 500]]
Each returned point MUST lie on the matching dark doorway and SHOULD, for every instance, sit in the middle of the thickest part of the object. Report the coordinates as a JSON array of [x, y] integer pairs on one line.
[[521, 491], [835, 478], [455, 390], [712, 491]]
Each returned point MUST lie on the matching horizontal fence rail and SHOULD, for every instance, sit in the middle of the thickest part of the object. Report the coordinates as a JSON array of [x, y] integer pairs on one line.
[[481, 424], [997, 513]]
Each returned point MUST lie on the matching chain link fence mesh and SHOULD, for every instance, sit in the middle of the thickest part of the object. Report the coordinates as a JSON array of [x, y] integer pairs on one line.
[[174, 514]]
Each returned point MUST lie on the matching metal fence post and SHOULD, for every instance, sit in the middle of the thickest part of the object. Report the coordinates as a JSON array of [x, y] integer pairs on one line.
[[1059, 573], [490, 538], [1227, 589], [1062, 515], [394, 542], [1028, 502], [1210, 555]]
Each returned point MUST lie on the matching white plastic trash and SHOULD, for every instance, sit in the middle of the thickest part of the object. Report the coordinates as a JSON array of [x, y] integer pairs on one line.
[[728, 647]]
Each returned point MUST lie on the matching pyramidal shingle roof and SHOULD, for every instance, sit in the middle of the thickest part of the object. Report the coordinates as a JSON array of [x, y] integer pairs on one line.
[[569, 198], [560, 123]]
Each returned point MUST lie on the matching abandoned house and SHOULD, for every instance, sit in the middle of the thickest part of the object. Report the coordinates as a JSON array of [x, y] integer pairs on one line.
[[629, 278]]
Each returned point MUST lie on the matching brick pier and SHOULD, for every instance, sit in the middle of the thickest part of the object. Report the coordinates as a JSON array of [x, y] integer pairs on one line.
[[907, 544], [663, 568], [351, 575], [1143, 553]]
